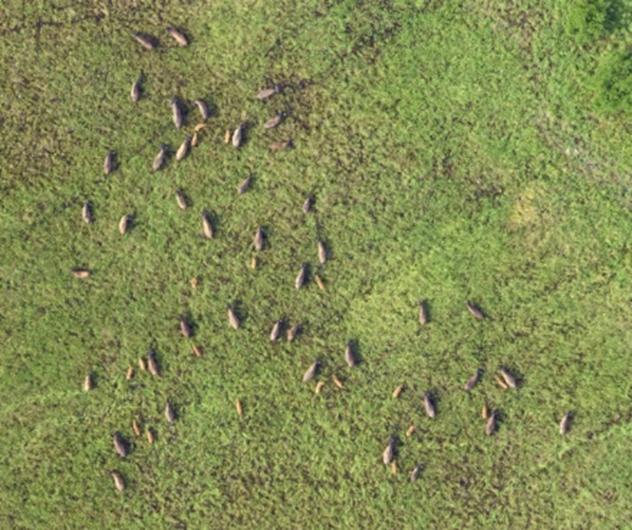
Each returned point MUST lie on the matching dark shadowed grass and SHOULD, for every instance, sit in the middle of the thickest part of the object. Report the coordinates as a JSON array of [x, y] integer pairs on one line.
[[454, 155]]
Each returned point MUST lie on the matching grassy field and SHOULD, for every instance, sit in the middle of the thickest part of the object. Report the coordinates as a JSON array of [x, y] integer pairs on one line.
[[454, 153]]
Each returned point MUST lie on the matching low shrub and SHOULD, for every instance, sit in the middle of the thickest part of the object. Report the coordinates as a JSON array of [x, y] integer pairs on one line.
[[613, 83], [588, 20]]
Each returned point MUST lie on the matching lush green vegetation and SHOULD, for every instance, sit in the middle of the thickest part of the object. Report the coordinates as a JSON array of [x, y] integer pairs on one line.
[[589, 23], [589, 20], [614, 83], [456, 150]]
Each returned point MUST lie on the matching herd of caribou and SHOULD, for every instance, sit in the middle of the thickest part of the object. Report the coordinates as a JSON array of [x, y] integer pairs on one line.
[[504, 378]]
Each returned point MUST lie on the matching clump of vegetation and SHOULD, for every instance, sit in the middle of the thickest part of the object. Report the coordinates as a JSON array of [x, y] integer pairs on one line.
[[613, 83], [589, 20]]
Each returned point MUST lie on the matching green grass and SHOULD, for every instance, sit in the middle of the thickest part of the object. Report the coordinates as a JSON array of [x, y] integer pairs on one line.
[[455, 153]]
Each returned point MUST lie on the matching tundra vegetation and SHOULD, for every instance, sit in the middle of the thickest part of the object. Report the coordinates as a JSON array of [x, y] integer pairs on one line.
[[444, 151]]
